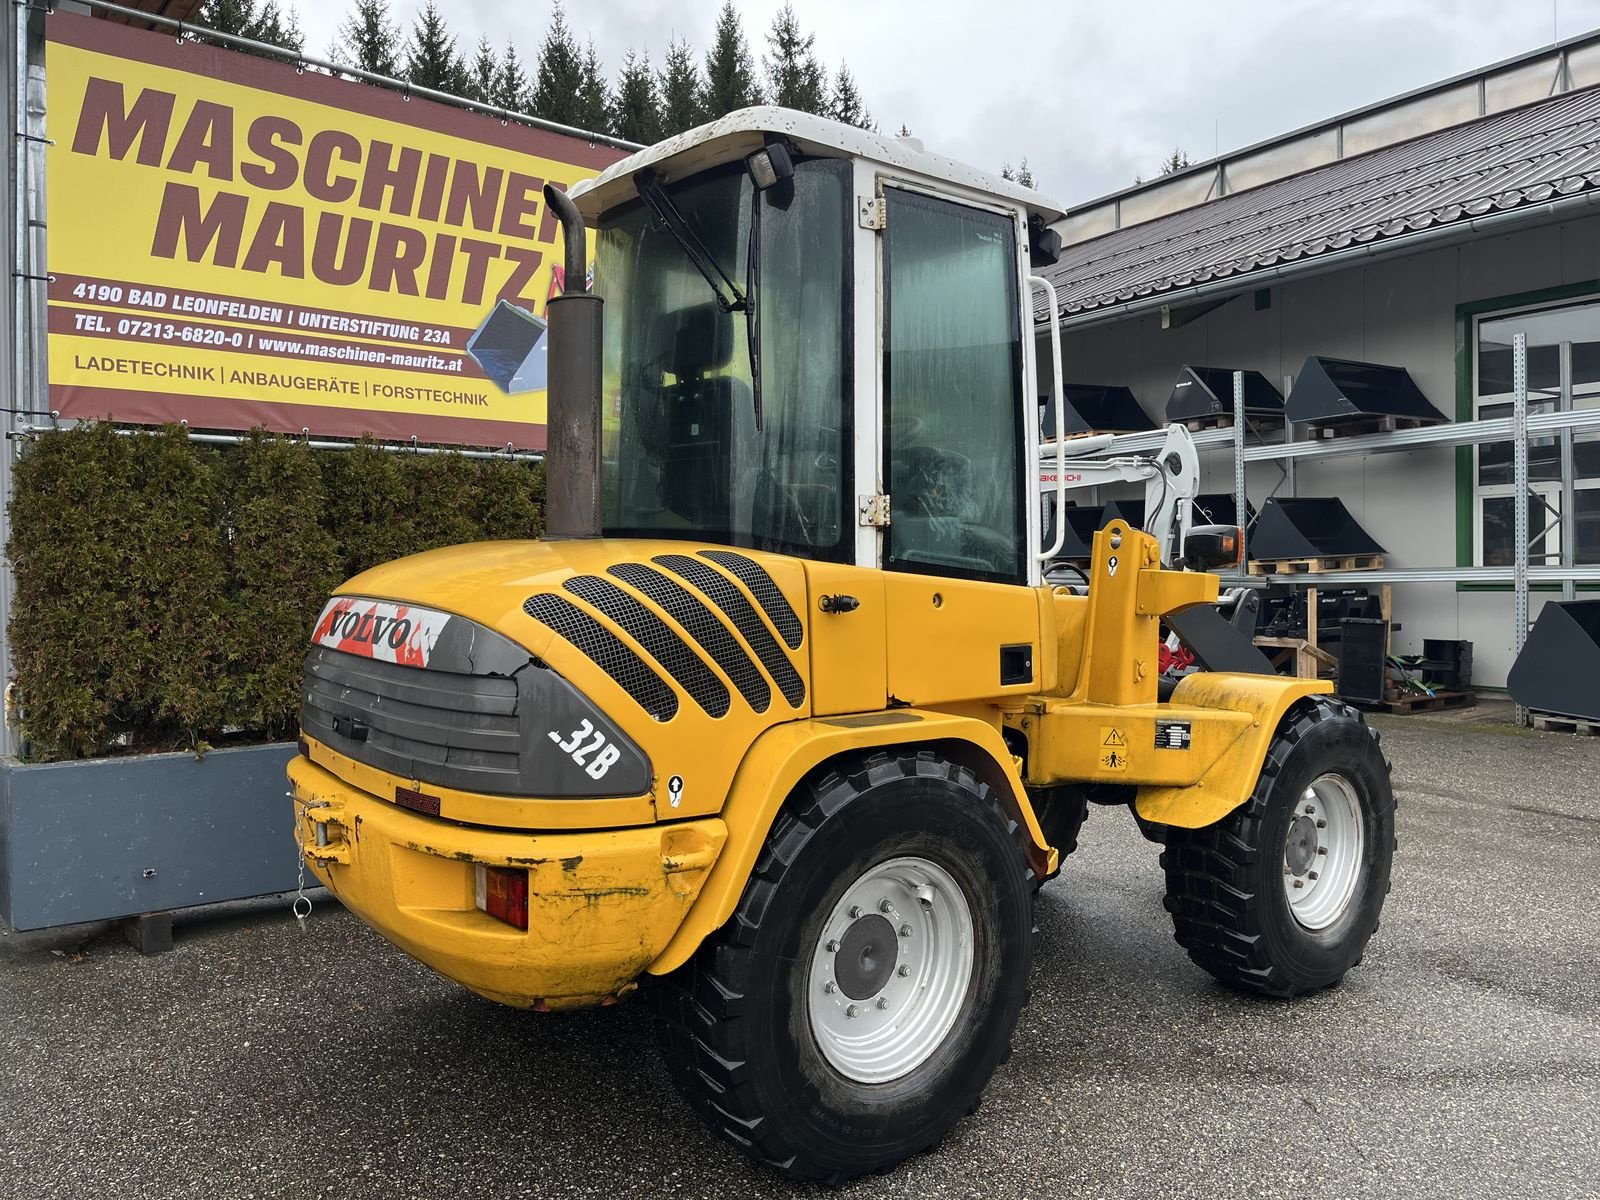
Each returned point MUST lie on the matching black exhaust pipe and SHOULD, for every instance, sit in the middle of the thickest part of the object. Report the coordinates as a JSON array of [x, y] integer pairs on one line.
[[572, 445]]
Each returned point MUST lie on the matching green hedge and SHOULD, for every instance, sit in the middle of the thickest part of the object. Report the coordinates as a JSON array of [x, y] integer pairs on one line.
[[165, 590]]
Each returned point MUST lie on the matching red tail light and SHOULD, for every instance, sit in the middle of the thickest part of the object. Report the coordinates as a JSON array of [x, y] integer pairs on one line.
[[502, 892]]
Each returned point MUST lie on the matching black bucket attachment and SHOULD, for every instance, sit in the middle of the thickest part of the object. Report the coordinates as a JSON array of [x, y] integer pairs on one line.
[[1093, 408], [1336, 389], [1558, 670], [1308, 527], [1083, 522], [1131, 511], [1208, 392], [1220, 508]]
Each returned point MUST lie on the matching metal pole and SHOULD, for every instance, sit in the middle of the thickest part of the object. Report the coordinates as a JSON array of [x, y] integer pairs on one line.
[[1289, 480], [1519, 505], [1569, 516], [333, 68], [1241, 501]]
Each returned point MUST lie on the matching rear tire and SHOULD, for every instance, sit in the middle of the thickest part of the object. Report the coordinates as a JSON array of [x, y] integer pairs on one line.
[[1281, 896], [774, 1031]]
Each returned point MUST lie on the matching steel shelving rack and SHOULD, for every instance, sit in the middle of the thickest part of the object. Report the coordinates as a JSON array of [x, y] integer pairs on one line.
[[1516, 429]]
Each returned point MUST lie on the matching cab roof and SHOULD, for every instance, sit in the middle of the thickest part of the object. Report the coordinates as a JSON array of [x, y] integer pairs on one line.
[[740, 133]]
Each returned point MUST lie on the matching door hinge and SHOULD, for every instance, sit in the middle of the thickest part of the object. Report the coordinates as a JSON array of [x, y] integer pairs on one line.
[[873, 212], [874, 510]]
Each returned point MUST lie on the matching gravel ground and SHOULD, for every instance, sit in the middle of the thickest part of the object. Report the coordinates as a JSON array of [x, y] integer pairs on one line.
[[1462, 1057]]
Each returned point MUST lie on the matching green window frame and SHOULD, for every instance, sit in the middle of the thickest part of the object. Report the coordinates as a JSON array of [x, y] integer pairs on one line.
[[1466, 394]]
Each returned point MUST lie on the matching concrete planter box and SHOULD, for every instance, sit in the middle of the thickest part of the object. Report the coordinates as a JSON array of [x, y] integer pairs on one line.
[[114, 837]]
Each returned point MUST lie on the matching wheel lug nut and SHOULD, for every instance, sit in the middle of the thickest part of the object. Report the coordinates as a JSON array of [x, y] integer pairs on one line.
[[1311, 875], [1322, 849], [1299, 883], [905, 931], [1322, 824], [882, 1003], [833, 946], [850, 1010], [904, 971], [855, 911], [884, 906], [830, 987], [1311, 810]]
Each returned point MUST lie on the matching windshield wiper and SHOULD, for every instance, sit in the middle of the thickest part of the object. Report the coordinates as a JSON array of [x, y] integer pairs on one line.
[[664, 210]]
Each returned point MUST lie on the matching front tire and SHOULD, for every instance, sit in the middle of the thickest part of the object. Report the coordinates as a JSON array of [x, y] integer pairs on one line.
[[858, 1001], [1281, 896]]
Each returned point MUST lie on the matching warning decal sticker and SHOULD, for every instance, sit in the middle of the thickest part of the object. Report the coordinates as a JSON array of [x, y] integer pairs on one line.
[[1113, 748]]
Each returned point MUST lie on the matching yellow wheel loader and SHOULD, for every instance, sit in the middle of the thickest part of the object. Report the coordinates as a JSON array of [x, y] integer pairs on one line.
[[781, 725]]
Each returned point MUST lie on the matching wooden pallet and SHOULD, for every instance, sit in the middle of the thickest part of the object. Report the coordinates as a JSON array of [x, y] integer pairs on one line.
[[1316, 566], [1253, 423], [1420, 703], [1339, 427], [1555, 723]]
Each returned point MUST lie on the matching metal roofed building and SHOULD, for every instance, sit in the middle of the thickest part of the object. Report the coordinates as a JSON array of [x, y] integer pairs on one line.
[[1421, 232]]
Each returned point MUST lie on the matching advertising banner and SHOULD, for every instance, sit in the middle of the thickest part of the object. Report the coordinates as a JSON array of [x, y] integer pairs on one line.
[[234, 242]]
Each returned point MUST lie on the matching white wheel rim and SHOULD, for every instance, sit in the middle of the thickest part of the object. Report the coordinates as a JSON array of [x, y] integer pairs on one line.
[[1322, 852], [889, 973]]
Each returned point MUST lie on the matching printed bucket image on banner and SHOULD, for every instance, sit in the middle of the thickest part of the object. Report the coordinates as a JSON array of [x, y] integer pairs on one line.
[[235, 243], [510, 347]]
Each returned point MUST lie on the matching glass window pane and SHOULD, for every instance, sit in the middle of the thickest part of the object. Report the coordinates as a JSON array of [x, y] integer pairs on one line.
[[1494, 458], [1498, 531], [1586, 521], [681, 452], [1546, 328], [952, 360]]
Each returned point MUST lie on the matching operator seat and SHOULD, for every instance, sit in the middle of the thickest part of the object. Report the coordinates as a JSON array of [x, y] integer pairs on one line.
[[701, 413]]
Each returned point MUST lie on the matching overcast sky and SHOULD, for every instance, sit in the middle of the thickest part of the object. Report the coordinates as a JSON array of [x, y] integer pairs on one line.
[[1092, 93]]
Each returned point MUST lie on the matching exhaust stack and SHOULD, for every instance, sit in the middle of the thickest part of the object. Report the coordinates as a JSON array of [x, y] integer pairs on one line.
[[572, 448]]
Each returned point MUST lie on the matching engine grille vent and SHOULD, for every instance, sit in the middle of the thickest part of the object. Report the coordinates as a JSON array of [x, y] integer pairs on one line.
[[712, 635], [666, 647], [749, 573], [745, 619], [609, 653]]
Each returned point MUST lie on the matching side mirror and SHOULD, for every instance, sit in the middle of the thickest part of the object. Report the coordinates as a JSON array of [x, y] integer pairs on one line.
[[1210, 546]]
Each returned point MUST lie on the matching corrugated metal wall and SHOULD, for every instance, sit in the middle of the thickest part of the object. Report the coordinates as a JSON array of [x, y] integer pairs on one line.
[[1400, 312]]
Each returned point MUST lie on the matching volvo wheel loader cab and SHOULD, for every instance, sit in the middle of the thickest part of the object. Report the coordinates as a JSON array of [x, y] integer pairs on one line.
[[781, 725]]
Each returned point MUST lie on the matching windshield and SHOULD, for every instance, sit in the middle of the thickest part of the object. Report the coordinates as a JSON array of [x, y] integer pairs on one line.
[[681, 453]]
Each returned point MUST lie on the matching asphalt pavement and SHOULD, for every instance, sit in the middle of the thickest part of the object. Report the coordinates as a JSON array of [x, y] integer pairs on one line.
[[1462, 1058]]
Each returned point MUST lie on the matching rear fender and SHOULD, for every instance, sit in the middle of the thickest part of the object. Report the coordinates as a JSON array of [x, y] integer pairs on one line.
[[1231, 779], [783, 756]]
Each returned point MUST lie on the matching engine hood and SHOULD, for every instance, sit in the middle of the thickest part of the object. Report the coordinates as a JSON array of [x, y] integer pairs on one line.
[[691, 650]]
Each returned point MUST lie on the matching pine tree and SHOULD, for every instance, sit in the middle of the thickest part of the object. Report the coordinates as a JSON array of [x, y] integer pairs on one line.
[[680, 87], [730, 81], [1008, 174], [370, 39], [555, 96], [512, 89], [848, 105], [594, 97], [1176, 161], [636, 115], [263, 22], [794, 78], [432, 60], [482, 74], [1025, 174], [905, 130]]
